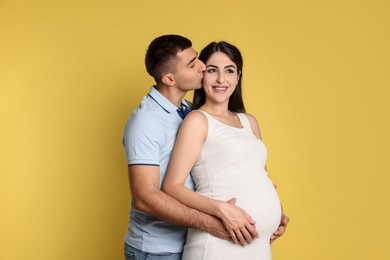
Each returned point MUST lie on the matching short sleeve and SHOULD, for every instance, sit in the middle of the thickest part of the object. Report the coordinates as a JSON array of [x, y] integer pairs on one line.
[[141, 141]]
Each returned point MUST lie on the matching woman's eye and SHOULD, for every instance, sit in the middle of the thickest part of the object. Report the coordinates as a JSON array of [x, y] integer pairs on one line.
[[230, 71], [210, 70]]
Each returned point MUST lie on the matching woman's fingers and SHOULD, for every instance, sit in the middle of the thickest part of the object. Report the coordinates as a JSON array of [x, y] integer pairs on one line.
[[247, 236], [251, 228], [249, 218], [240, 237], [233, 235]]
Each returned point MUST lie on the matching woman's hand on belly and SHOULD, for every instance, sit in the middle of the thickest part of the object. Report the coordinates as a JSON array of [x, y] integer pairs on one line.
[[282, 227], [240, 225]]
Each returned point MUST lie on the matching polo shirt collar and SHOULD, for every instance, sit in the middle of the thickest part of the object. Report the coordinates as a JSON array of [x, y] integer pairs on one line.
[[163, 102]]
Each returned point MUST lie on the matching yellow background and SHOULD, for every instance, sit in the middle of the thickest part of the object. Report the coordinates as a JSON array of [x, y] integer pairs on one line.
[[316, 75]]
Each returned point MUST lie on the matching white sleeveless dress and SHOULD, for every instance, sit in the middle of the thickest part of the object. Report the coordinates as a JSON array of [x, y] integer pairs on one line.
[[232, 164]]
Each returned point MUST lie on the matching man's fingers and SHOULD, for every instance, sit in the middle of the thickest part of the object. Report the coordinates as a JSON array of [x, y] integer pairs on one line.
[[232, 201]]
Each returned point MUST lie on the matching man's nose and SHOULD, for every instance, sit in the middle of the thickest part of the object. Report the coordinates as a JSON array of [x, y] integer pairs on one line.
[[202, 66]]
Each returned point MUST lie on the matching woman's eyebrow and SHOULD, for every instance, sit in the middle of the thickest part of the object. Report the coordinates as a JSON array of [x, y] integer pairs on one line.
[[228, 66]]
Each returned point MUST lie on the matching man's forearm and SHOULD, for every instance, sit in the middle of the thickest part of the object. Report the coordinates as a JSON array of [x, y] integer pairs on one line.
[[165, 207]]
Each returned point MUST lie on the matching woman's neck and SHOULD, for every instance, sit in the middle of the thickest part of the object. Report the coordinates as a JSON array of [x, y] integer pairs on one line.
[[216, 109]]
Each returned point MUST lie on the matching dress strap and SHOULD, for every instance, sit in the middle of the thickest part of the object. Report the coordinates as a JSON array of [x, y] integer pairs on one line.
[[205, 113], [244, 121]]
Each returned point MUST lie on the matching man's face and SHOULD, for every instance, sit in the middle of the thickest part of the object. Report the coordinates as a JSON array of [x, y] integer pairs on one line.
[[189, 70]]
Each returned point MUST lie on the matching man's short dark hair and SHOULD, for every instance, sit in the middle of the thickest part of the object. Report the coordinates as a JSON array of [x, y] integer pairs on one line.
[[161, 53]]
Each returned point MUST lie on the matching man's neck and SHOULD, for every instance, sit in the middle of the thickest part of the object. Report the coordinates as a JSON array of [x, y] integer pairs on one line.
[[173, 94]]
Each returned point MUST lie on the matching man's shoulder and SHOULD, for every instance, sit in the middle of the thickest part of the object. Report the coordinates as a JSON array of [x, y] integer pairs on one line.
[[146, 112], [142, 122]]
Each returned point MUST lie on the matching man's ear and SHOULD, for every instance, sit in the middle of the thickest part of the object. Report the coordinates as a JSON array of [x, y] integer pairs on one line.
[[168, 79]]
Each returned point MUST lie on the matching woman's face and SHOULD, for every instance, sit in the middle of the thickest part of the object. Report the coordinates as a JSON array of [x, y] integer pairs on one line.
[[220, 78]]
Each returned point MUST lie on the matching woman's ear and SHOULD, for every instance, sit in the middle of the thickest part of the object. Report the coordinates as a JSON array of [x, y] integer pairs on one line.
[[239, 75], [168, 79]]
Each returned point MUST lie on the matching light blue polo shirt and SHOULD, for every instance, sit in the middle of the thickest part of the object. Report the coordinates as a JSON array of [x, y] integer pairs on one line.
[[148, 139]]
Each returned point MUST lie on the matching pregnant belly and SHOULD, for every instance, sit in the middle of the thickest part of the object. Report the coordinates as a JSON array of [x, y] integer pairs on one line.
[[258, 198], [263, 205]]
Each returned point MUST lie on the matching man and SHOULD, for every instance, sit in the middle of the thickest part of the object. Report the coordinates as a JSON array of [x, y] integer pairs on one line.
[[149, 138]]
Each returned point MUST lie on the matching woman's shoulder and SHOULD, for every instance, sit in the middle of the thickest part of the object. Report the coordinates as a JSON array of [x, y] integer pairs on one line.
[[254, 125], [195, 118], [251, 118], [195, 124], [196, 115]]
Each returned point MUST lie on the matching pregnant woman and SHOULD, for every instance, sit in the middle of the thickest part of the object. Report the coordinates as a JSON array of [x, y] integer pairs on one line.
[[222, 147]]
